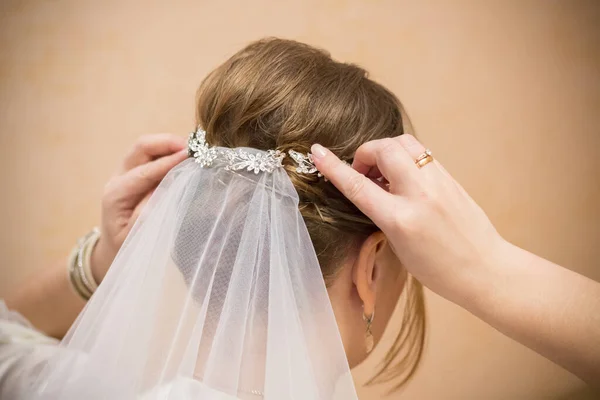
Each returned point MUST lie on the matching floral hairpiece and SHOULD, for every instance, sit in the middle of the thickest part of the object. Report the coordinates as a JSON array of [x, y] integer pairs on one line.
[[238, 159]]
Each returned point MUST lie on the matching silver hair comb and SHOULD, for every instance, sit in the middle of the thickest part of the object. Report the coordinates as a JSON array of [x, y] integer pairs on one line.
[[239, 159]]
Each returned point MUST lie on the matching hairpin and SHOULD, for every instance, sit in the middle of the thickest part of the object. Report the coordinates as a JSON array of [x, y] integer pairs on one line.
[[239, 159]]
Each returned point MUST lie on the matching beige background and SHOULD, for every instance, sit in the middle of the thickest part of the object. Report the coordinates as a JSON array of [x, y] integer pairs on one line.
[[506, 93]]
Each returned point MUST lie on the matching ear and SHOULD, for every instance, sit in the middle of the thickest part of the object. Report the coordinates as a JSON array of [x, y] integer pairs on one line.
[[366, 273]]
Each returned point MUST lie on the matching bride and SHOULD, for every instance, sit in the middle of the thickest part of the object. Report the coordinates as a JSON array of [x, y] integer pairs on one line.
[[248, 275]]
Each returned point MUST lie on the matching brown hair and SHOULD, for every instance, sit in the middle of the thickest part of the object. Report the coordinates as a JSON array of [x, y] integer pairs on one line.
[[281, 94]]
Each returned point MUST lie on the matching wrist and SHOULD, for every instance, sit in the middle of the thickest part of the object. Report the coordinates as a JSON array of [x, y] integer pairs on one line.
[[488, 279]]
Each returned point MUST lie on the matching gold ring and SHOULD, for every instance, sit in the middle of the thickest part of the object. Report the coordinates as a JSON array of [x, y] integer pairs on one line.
[[424, 159]]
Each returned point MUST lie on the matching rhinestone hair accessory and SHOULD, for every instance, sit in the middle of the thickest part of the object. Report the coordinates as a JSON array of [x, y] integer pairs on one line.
[[240, 159], [199, 149], [305, 163]]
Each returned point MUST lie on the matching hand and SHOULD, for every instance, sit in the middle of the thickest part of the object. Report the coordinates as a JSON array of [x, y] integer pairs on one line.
[[441, 236], [126, 193]]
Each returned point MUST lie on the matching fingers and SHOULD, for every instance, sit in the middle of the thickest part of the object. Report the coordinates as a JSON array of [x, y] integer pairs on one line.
[[143, 178], [389, 158], [149, 147], [372, 200], [411, 145]]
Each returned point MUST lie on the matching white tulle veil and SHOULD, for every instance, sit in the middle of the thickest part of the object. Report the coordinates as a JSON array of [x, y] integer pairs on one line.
[[216, 294]]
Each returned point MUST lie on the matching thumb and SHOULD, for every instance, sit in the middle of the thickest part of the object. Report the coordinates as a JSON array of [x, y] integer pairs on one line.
[[375, 202]]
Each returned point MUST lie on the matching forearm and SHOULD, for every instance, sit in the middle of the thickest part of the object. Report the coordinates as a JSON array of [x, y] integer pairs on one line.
[[548, 308], [48, 301]]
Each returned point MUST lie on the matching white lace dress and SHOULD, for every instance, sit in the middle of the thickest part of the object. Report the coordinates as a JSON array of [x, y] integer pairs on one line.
[[23, 350]]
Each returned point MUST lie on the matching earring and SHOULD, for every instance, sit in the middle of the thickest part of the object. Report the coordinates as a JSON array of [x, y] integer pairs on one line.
[[369, 341]]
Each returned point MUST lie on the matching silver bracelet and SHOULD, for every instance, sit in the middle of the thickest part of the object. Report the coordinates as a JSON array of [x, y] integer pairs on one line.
[[79, 265]]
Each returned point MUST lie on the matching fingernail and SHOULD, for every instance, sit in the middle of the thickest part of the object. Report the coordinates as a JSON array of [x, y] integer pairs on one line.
[[318, 151]]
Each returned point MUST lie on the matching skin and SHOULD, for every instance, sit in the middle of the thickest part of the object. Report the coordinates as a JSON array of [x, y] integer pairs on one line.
[[444, 239], [370, 281], [47, 300]]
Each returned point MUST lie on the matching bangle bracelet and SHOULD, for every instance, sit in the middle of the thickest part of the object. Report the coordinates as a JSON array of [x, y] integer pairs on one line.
[[86, 245], [90, 245], [73, 276], [79, 266]]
